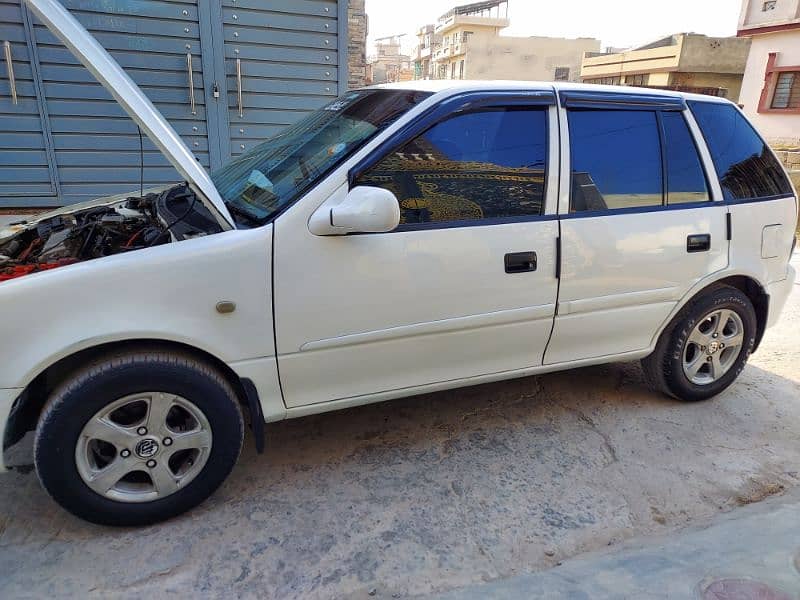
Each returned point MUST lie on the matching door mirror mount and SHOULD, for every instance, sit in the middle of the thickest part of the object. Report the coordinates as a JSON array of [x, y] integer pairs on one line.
[[364, 209]]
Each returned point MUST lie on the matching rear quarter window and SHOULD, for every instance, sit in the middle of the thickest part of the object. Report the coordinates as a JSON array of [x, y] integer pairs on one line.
[[745, 165]]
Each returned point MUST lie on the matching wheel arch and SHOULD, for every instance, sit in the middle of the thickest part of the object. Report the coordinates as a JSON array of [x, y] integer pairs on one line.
[[28, 406], [746, 284]]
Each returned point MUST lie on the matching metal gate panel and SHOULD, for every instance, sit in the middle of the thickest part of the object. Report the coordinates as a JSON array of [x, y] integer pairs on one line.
[[96, 143], [27, 175], [67, 140], [281, 61]]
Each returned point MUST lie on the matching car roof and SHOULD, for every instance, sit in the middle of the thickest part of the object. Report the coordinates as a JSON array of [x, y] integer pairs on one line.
[[465, 85]]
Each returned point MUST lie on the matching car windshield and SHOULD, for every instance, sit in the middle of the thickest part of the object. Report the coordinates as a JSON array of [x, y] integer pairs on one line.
[[272, 175]]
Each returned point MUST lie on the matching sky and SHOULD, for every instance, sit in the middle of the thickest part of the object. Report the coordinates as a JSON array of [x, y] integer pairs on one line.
[[618, 23]]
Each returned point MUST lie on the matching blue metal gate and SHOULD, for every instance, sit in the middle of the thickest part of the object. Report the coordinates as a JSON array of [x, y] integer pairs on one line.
[[225, 74]]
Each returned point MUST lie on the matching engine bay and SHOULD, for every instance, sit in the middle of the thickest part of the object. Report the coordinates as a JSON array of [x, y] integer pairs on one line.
[[134, 223]]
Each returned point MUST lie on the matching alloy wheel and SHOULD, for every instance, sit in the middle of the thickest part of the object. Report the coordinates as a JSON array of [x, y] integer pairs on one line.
[[713, 346], [143, 447]]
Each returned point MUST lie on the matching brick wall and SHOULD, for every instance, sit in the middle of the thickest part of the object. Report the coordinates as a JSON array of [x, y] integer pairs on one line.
[[790, 157], [357, 44]]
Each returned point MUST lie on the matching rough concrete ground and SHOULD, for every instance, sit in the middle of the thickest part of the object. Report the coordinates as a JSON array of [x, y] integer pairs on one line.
[[749, 554], [436, 492]]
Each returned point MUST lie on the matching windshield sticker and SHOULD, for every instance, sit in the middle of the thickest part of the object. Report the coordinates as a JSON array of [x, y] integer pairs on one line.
[[343, 102], [259, 180], [337, 149]]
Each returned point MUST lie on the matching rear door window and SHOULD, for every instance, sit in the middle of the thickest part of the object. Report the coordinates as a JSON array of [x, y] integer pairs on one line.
[[746, 167], [616, 159], [686, 180]]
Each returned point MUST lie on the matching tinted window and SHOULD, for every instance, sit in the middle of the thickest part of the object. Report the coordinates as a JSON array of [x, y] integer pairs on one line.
[[474, 166], [616, 159], [744, 164], [686, 181]]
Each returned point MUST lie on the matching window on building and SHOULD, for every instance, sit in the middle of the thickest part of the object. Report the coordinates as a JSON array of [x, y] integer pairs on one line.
[[787, 91], [452, 70], [769, 5], [640, 79], [562, 74], [686, 180], [470, 167], [616, 159], [461, 70], [465, 35], [744, 163], [604, 80]]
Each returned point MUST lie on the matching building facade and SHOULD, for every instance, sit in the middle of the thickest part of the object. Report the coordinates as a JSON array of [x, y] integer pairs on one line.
[[428, 41], [771, 86], [466, 43], [389, 64], [225, 73], [684, 61]]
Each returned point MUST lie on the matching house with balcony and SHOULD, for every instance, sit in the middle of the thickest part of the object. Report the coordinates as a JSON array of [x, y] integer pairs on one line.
[[468, 45], [389, 64], [428, 41]]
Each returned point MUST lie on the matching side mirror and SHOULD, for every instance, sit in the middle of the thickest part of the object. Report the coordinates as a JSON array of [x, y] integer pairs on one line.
[[364, 209]]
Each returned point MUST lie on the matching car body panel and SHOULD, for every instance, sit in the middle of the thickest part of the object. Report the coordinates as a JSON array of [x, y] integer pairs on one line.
[[166, 292], [132, 100]]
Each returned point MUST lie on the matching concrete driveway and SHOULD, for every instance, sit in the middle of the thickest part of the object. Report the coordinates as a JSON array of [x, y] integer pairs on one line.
[[436, 492]]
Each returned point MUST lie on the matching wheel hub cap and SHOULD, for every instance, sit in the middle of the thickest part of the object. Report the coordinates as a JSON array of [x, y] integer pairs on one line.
[[147, 448], [713, 346], [143, 447]]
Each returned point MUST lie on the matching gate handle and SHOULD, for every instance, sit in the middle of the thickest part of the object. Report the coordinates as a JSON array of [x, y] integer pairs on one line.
[[12, 82], [239, 86], [191, 82]]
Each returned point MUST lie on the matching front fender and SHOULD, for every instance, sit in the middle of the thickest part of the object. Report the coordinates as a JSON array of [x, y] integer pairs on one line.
[[167, 292]]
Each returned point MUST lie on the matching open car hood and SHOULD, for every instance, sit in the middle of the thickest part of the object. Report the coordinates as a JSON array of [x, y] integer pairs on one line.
[[138, 106]]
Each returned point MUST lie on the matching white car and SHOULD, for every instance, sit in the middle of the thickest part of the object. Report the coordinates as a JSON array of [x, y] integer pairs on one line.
[[403, 239]]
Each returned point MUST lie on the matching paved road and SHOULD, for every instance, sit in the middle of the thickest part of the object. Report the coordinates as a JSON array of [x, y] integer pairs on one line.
[[433, 493]]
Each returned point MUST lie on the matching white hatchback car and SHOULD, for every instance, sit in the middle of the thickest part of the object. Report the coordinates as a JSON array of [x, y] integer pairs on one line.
[[402, 239]]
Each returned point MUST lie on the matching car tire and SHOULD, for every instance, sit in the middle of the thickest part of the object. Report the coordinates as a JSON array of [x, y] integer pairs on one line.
[[698, 335], [95, 425]]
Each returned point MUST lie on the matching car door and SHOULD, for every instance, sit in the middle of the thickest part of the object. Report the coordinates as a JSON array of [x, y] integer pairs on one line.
[[465, 287], [640, 225]]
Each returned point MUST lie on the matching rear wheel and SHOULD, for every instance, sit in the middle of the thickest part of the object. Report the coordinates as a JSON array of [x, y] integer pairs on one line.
[[138, 438], [705, 347]]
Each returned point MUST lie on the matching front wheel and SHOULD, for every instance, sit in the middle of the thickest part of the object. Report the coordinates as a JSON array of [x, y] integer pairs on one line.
[[138, 437], [705, 347]]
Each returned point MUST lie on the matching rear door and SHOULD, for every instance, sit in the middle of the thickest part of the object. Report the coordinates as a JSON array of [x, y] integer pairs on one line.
[[640, 224]]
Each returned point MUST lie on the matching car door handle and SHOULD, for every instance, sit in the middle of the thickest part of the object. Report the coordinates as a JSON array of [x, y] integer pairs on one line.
[[700, 242], [520, 262]]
